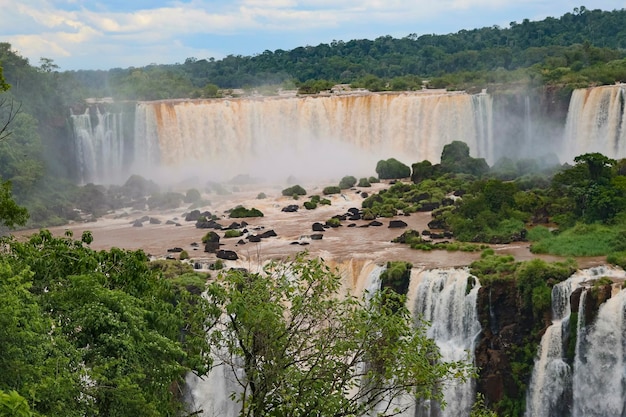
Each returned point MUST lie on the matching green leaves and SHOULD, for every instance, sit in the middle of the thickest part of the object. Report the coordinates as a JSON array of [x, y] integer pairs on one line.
[[307, 348], [95, 333]]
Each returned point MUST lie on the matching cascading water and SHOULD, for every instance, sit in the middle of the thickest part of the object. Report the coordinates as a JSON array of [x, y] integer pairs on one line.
[[595, 122], [553, 381], [446, 298], [600, 368], [299, 134], [99, 147]]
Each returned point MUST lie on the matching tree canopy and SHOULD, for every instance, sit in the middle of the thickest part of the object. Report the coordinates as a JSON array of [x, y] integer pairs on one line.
[[301, 348]]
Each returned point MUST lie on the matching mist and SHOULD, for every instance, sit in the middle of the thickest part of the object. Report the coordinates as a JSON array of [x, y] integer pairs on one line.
[[323, 138]]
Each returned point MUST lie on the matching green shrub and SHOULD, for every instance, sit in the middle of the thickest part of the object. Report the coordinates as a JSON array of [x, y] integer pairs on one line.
[[217, 265], [617, 258], [332, 189], [310, 205], [373, 180], [240, 211], [210, 237], [392, 169], [315, 199], [183, 255], [363, 182], [333, 222], [261, 196], [347, 182], [538, 233], [325, 202], [232, 233], [293, 191], [581, 240]]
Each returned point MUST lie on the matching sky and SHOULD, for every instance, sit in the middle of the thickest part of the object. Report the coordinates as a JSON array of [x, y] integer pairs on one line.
[[109, 34]]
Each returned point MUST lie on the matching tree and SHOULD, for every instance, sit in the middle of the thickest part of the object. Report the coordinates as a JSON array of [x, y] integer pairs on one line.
[[392, 169], [10, 213], [8, 109], [299, 348], [96, 333]]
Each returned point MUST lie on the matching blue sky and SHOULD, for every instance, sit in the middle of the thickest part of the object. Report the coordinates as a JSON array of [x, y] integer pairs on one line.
[[124, 33]]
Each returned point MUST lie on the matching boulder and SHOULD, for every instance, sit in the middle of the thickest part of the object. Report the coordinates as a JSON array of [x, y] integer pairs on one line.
[[212, 242], [208, 224], [234, 225], [268, 233], [317, 236], [193, 216], [397, 224], [375, 223], [154, 220], [292, 208], [229, 255], [175, 250], [317, 227]]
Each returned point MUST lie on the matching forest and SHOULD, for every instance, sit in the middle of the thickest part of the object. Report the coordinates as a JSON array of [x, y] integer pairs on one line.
[[85, 332]]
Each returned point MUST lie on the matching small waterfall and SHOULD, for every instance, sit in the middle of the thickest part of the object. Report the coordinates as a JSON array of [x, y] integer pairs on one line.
[[600, 366], [595, 122], [447, 299], [552, 383], [99, 147]]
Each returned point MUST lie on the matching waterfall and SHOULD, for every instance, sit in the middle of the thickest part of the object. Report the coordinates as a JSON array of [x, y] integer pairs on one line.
[[553, 381], [600, 367], [595, 122], [300, 134], [99, 147], [446, 298]]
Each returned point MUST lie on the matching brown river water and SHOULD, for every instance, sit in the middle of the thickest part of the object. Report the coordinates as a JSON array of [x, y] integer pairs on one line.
[[340, 244]]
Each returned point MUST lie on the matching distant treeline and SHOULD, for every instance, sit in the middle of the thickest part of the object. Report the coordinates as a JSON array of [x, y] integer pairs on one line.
[[574, 48]]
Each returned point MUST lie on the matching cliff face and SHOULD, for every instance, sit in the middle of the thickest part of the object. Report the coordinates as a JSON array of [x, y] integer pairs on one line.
[[509, 340]]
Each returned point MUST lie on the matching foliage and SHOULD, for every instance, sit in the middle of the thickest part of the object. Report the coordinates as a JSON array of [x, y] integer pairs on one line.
[[293, 191], [239, 212], [347, 182], [301, 344], [397, 276], [456, 158], [310, 205], [12, 404], [392, 169], [583, 240], [95, 333], [331, 189], [363, 182], [333, 222], [10, 213], [232, 233]]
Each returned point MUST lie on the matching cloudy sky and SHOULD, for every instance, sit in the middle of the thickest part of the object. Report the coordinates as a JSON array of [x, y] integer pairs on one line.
[[123, 33]]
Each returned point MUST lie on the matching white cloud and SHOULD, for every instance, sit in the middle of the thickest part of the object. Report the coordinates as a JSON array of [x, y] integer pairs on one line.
[[154, 33]]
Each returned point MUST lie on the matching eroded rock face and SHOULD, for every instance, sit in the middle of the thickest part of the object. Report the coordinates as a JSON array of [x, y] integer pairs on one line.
[[507, 326]]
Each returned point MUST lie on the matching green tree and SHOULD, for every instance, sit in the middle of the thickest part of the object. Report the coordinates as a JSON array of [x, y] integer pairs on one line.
[[392, 169], [10, 213], [96, 333], [305, 349]]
